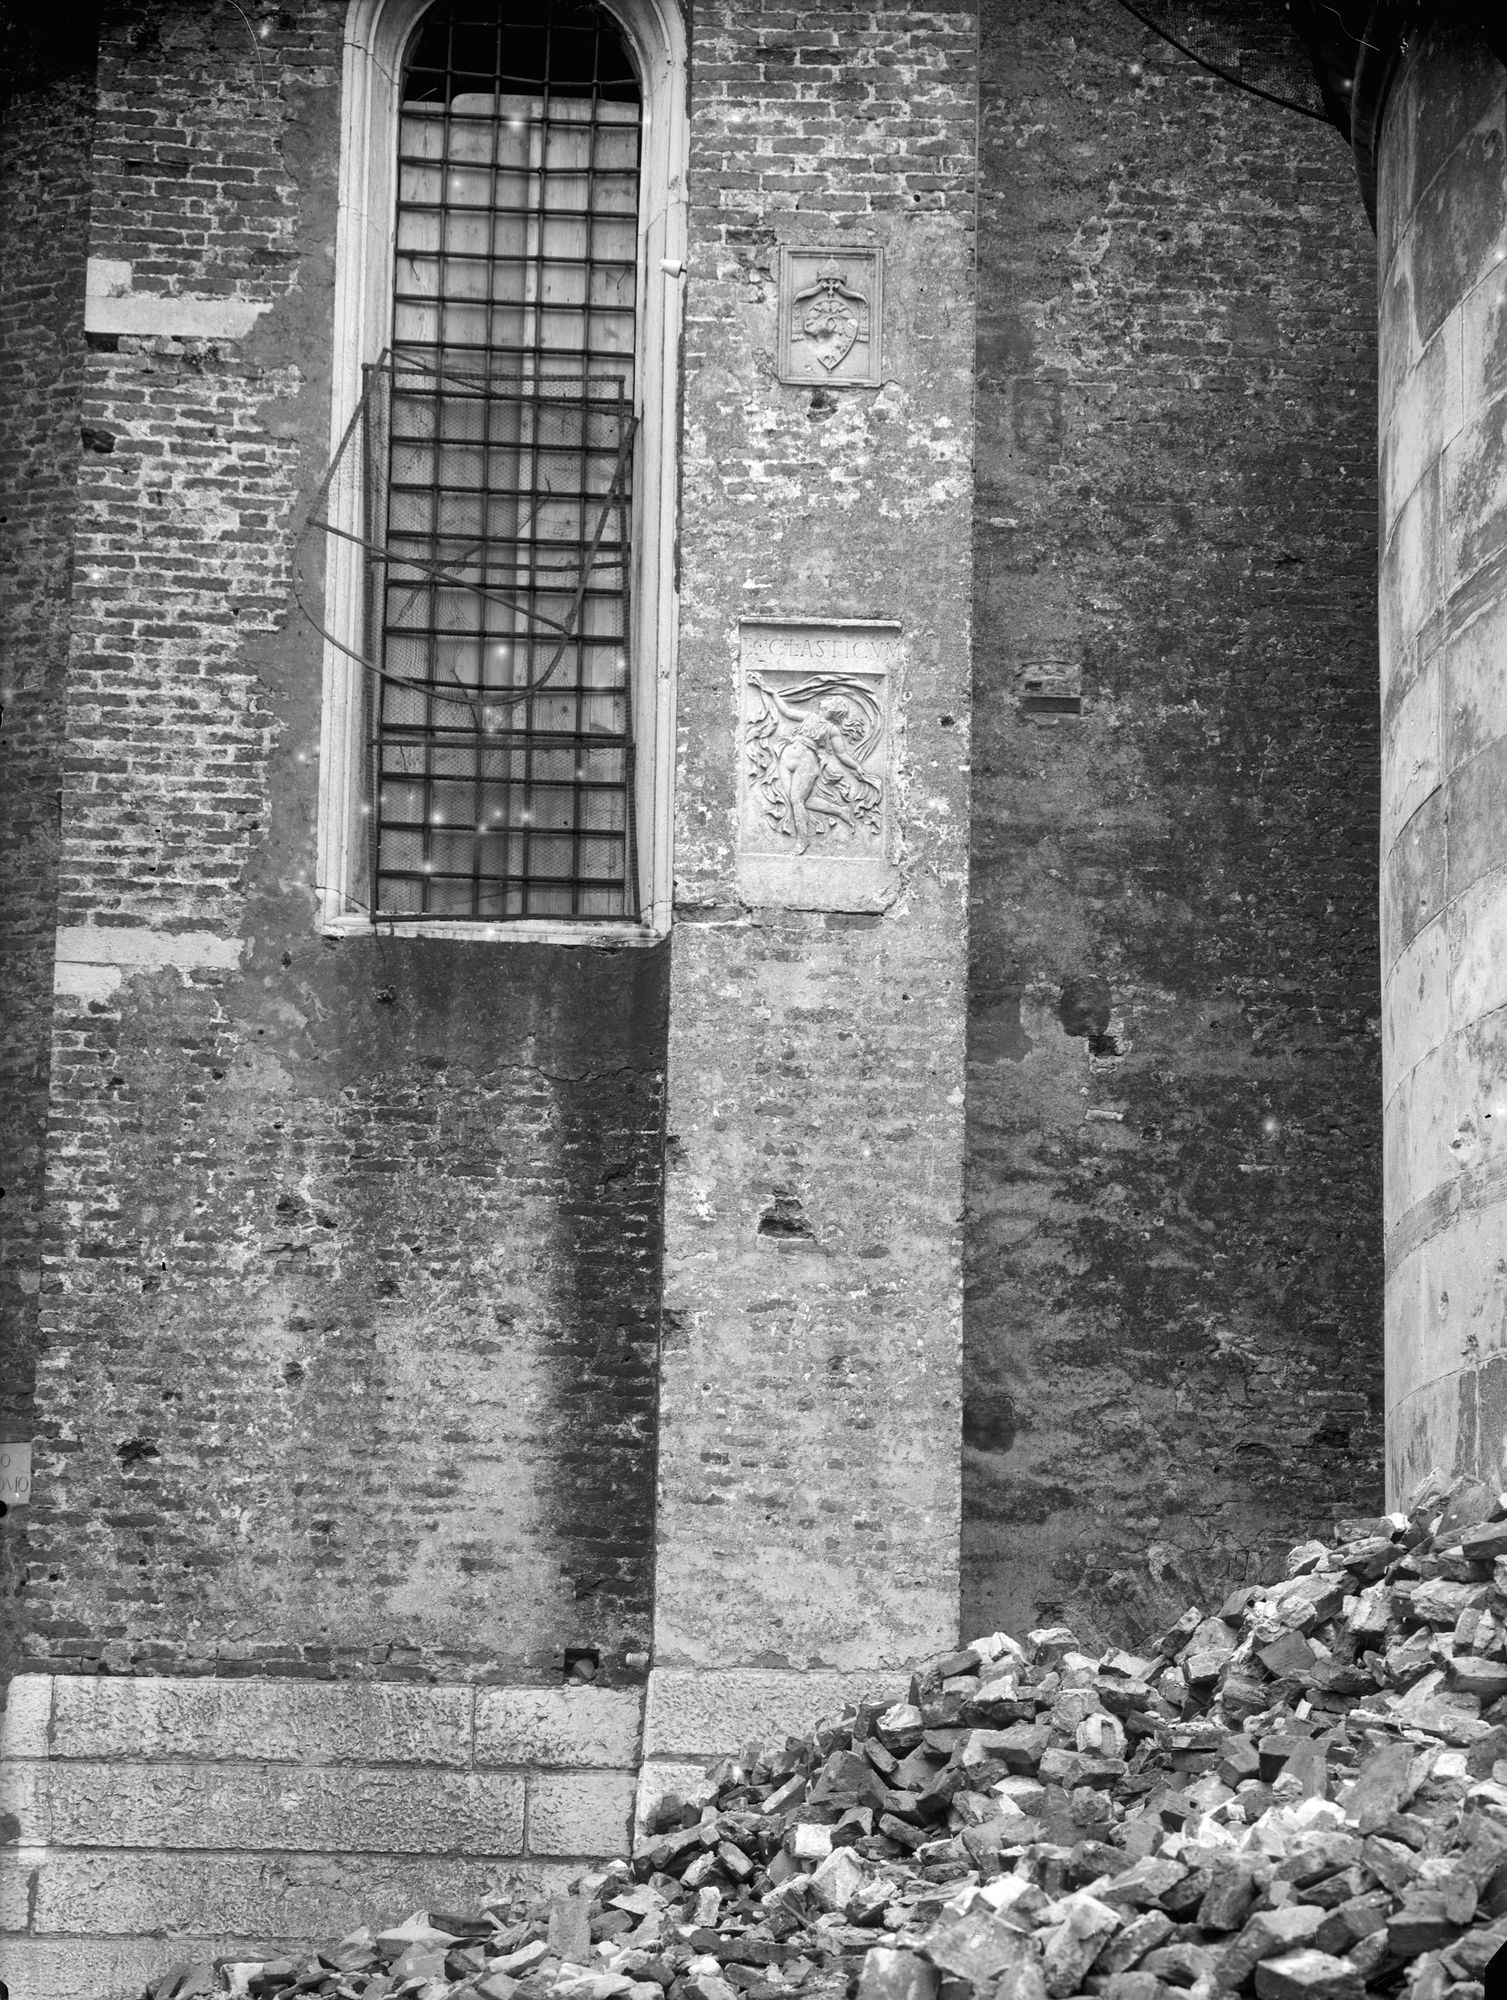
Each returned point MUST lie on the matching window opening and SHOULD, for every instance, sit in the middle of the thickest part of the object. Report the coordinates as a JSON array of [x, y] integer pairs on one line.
[[493, 447]]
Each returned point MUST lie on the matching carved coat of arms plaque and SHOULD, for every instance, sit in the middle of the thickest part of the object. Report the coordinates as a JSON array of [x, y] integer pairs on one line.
[[815, 764], [831, 313]]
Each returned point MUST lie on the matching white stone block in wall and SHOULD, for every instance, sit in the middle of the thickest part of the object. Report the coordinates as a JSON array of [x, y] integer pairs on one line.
[[248, 1895], [559, 1726], [583, 1812], [79, 1968], [1474, 707], [1426, 418], [656, 1781], [1411, 768], [712, 1714], [23, 1724], [383, 1809], [1478, 949], [1415, 1010], [1483, 320], [273, 1721]]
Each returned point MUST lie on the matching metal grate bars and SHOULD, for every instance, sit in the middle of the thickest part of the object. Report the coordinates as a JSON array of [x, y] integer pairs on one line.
[[501, 717]]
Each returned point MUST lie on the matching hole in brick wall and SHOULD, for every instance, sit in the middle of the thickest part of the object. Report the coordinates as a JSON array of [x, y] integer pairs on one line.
[[1083, 1007], [581, 1663], [1050, 687], [134, 1451], [785, 1219]]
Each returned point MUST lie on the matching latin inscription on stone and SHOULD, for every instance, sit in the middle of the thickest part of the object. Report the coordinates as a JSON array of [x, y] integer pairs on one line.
[[816, 782], [831, 313]]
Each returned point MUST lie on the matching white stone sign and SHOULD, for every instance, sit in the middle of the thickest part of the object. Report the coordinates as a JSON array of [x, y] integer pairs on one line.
[[815, 763], [15, 1474]]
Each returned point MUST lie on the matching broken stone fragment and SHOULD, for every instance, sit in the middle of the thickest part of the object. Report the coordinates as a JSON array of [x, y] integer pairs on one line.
[[1290, 1654], [1348, 1922], [975, 1944], [1134, 1986], [1072, 1944], [1308, 1975], [1130, 1946], [1485, 1679], [896, 1975], [1182, 1963], [1229, 1898], [837, 1880], [1485, 1543], [1423, 1923], [1268, 1934]]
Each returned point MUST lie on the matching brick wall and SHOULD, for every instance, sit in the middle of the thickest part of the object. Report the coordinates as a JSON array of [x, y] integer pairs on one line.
[[352, 1285], [1174, 1362], [45, 126], [808, 1438]]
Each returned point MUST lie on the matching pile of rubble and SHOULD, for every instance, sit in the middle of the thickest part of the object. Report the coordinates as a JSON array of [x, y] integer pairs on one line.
[[1303, 1796]]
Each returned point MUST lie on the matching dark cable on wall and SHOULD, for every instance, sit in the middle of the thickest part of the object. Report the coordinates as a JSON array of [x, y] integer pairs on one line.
[[1214, 69]]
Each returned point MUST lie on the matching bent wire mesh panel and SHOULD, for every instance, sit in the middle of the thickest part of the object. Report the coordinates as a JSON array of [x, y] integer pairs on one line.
[[499, 447]]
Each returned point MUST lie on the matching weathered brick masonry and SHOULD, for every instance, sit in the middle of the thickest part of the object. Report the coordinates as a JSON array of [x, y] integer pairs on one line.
[[351, 1277], [808, 1437], [1174, 1152], [44, 213], [350, 1400], [353, 1288]]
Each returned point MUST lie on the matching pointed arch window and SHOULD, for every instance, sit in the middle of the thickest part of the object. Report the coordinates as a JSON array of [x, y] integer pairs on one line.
[[496, 737]]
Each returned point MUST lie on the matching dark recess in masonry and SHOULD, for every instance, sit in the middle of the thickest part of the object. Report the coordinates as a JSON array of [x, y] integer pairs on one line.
[[785, 1219], [1050, 687], [1083, 1006]]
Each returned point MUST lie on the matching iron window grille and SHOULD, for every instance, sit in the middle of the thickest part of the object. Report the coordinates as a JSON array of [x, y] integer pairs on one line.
[[493, 448]]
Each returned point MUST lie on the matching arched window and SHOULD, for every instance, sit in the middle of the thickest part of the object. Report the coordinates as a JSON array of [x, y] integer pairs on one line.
[[499, 622]]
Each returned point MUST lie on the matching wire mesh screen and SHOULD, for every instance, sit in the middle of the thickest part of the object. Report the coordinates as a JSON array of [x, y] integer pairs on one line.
[[502, 741]]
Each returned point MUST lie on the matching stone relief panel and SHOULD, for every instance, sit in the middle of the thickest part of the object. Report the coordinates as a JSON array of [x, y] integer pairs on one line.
[[831, 317], [815, 763]]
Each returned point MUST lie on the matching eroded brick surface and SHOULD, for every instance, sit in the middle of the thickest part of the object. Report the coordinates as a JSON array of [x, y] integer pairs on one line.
[[351, 1306], [808, 1440], [1173, 1354], [44, 208]]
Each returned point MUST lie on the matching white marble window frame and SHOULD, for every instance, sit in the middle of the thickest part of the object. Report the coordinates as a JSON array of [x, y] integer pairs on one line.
[[377, 34]]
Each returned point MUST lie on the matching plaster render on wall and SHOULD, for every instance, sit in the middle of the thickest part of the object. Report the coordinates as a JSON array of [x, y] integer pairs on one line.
[[113, 306]]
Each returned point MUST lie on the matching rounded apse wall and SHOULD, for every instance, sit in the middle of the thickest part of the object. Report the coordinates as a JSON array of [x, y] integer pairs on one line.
[[1442, 241]]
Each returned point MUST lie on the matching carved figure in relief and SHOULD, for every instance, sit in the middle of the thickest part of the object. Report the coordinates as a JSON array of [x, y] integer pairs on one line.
[[830, 316], [808, 749]]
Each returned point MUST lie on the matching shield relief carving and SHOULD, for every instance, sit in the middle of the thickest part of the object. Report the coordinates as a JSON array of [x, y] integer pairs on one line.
[[831, 315]]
